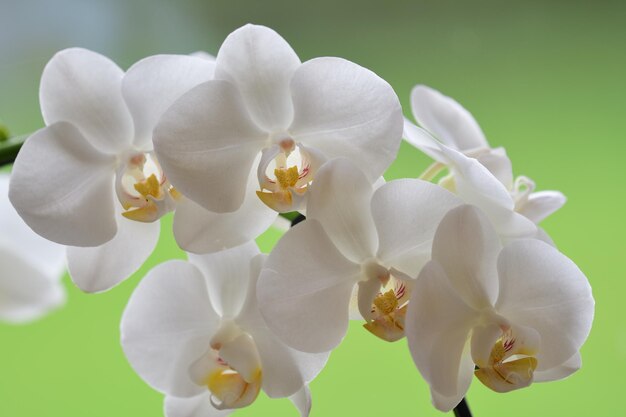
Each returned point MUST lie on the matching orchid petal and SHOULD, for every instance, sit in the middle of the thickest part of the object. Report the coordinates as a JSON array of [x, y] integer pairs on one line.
[[345, 110], [207, 143], [198, 230], [227, 274], [102, 267], [47, 256], [260, 63], [438, 323], [406, 213], [542, 204], [561, 371], [197, 406], [151, 85], [542, 289], [167, 326], [302, 401], [422, 140], [446, 119], [305, 287], [63, 188], [26, 292], [499, 164], [467, 246], [340, 200], [84, 88]]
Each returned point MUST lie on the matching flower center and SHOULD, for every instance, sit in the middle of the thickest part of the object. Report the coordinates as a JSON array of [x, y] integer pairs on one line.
[[229, 389], [388, 309], [143, 190], [510, 366], [285, 172]]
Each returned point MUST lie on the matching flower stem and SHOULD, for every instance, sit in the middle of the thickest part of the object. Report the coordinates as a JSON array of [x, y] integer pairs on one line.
[[462, 409], [9, 147], [432, 171]]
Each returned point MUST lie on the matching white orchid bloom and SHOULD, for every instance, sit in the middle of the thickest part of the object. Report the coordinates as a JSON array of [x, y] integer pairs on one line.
[[192, 330], [90, 179], [30, 267], [356, 239], [456, 128], [519, 313], [263, 100]]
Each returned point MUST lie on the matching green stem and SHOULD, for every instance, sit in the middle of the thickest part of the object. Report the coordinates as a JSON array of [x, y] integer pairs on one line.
[[9, 149]]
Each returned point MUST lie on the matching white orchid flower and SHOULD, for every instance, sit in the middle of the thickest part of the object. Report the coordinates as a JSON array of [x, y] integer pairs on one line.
[[455, 127], [192, 330], [518, 313], [30, 267], [263, 100], [356, 239], [90, 179]]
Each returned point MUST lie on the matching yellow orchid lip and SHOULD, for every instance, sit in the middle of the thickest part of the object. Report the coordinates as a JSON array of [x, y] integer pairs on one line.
[[389, 311], [231, 389]]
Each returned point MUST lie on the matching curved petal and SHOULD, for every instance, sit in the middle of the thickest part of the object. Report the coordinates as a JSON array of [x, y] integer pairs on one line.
[[102, 267], [345, 110], [207, 143], [260, 63], [26, 292], [542, 289], [499, 164], [302, 401], [467, 247], [305, 287], [151, 85], [227, 275], [340, 200], [63, 188], [85, 89], [561, 371], [477, 186], [167, 326], [406, 213], [285, 370], [198, 230], [446, 119], [542, 204], [438, 324], [423, 141], [198, 406], [47, 256]]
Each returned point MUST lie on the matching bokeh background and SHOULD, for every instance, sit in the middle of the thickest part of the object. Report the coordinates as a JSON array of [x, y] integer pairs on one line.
[[547, 80]]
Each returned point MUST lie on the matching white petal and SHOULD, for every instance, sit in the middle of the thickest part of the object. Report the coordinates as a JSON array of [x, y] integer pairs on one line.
[[198, 406], [438, 323], [446, 119], [340, 200], [499, 164], [261, 64], [302, 401], [167, 326], [227, 274], [466, 246], [26, 292], [542, 204], [477, 186], [305, 287], [207, 143], [345, 110], [561, 371], [406, 213], [285, 370], [63, 188], [85, 89], [423, 141], [203, 55], [151, 85], [102, 267], [47, 256], [198, 230], [542, 289]]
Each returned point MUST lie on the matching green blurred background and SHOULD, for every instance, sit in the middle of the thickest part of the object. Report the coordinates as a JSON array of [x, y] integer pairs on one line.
[[547, 80]]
